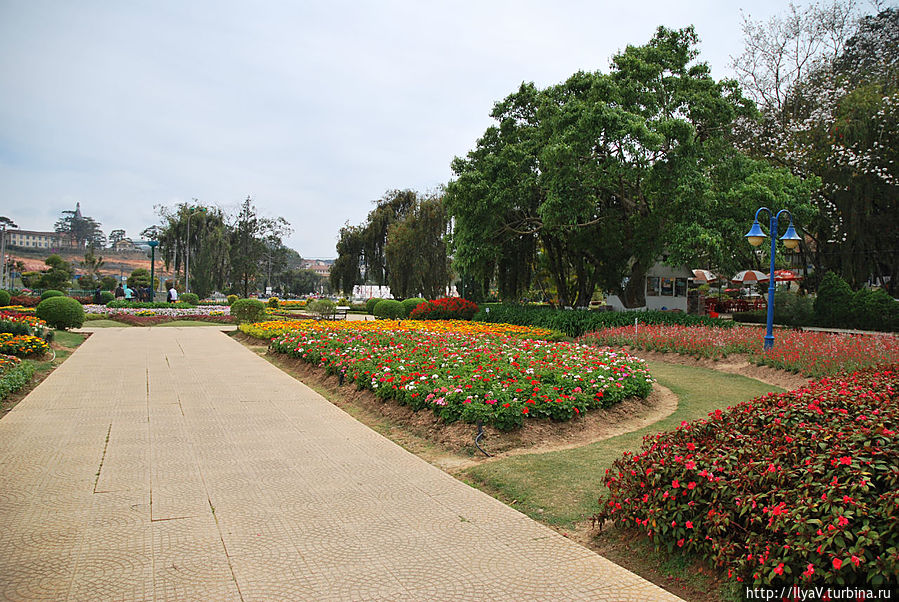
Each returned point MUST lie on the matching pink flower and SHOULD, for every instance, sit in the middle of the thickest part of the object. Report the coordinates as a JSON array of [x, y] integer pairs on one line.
[[689, 524]]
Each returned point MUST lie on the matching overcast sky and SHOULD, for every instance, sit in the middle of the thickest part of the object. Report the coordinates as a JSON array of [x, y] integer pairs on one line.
[[314, 109]]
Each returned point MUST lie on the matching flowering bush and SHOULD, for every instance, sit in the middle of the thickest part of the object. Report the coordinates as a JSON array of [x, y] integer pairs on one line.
[[448, 308], [799, 487], [24, 300], [22, 345], [813, 354], [14, 374], [269, 329], [494, 378], [29, 323]]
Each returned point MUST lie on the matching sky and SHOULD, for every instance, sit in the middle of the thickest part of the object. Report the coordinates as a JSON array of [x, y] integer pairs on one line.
[[313, 109]]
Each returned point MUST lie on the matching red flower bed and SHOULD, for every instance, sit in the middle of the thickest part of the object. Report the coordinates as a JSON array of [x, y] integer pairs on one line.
[[24, 300], [795, 488], [448, 308]]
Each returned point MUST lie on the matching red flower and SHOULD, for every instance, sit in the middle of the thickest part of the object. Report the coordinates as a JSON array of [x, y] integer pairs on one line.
[[837, 563], [779, 570]]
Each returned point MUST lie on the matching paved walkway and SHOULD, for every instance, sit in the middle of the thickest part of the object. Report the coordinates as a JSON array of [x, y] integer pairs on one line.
[[173, 464]]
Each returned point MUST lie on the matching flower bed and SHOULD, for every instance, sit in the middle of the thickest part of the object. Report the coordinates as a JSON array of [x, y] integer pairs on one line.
[[448, 308], [273, 328], [29, 320], [22, 345], [18, 309], [139, 319], [813, 354], [469, 375], [14, 374], [165, 310], [796, 488]]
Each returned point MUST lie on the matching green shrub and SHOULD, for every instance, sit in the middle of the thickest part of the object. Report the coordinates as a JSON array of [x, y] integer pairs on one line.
[[323, 308], [60, 312], [389, 309], [576, 322], [370, 305], [837, 305], [4, 298], [232, 299], [832, 305], [106, 297], [189, 298], [273, 302], [14, 375], [343, 302], [247, 310], [52, 293], [410, 304]]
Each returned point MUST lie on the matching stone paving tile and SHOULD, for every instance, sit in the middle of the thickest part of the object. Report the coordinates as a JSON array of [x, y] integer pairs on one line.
[[191, 469]]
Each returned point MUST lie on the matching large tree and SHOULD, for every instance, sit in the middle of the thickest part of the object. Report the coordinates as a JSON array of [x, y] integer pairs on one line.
[[827, 82], [602, 175], [249, 233]]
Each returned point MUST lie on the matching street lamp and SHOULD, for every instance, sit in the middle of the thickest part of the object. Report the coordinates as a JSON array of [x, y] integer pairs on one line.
[[198, 211], [756, 237], [153, 244]]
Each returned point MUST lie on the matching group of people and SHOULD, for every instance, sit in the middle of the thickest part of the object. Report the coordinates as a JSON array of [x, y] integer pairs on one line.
[[142, 293]]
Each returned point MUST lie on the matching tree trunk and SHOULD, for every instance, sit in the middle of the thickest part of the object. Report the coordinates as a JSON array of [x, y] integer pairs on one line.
[[634, 294]]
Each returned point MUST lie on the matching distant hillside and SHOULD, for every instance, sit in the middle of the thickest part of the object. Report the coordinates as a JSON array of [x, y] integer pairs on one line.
[[114, 263]]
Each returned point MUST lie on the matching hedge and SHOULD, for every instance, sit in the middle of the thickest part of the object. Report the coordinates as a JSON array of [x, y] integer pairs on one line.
[[51, 293], [389, 309], [247, 310], [798, 488], [4, 298], [410, 304], [577, 322], [370, 305], [60, 312]]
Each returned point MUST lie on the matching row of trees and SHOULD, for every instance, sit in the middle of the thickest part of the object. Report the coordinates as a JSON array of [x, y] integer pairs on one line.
[[402, 244], [587, 183], [239, 253]]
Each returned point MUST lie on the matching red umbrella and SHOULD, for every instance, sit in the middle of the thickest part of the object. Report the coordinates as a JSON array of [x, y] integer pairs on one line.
[[747, 276], [784, 276], [704, 276]]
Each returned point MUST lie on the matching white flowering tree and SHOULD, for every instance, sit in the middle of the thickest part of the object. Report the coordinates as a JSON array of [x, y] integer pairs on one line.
[[827, 83]]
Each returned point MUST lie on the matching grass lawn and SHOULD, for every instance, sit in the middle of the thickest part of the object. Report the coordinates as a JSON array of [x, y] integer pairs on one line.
[[561, 488], [103, 324]]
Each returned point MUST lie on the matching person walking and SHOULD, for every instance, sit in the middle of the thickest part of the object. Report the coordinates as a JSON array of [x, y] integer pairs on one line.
[[129, 293], [173, 295], [119, 292]]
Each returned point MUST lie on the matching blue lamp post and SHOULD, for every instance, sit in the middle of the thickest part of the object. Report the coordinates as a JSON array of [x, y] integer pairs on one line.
[[756, 237]]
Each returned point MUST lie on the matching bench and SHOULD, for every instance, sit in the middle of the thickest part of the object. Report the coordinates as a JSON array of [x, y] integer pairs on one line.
[[339, 313]]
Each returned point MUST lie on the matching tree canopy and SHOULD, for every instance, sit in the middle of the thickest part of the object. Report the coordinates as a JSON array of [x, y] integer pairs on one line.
[[597, 177], [827, 83]]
